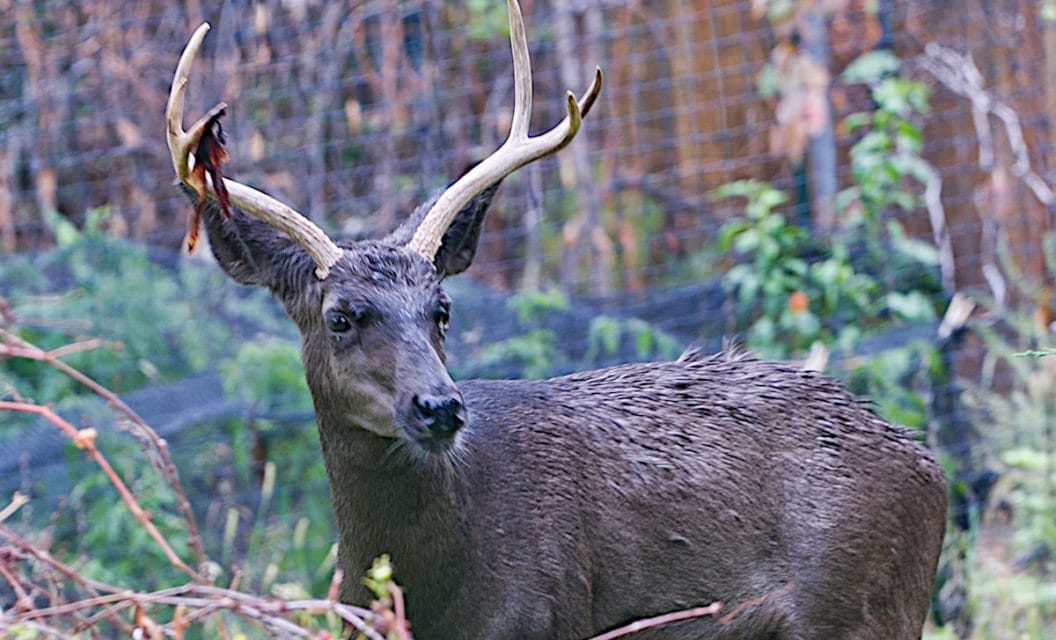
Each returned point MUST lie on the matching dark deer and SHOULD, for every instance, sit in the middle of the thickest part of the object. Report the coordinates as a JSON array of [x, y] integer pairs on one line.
[[562, 508]]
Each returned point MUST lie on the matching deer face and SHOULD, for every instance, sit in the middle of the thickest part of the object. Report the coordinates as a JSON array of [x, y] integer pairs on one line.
[[373, 346]]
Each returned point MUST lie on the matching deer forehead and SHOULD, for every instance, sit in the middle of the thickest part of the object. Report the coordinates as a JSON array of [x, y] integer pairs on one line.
[[382, 263], [385, 277]]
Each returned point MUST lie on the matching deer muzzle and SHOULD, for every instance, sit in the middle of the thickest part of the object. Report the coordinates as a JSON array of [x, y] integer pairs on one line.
[[436, 419]]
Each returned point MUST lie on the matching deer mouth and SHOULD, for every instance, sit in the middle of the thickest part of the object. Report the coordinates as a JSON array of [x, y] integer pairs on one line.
[[434, 444]]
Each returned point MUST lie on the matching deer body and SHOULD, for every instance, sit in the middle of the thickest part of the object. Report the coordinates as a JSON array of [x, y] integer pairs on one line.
[[585, 502], [566, 507]]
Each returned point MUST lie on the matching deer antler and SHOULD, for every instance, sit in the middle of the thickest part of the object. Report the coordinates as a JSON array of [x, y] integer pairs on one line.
[[518, 150], [323, 251]]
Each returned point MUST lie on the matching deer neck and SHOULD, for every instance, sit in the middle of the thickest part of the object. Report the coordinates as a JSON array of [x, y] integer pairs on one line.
[[389, 501]]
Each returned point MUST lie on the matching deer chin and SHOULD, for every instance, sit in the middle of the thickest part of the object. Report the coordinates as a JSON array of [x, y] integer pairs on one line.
[[384, 430], [432, 444]]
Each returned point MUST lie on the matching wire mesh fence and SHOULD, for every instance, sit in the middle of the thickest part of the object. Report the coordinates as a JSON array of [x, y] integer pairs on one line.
[[851, 232]]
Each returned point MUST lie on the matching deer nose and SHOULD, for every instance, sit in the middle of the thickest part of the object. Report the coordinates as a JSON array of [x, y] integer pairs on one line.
[[442, 415]]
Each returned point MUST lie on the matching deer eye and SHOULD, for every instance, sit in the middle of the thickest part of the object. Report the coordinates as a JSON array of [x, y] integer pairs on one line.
[[338, 322], [443, 319]]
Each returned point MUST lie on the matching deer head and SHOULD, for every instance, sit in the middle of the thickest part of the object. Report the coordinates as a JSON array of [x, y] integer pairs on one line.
[[372, 315]]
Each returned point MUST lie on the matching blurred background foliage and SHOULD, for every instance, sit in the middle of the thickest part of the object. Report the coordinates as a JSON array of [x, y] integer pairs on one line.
[[855, 185]]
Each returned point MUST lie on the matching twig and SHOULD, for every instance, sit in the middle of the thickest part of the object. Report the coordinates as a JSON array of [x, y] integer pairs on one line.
[[402, 630], [33, 626], [109, 613], [85, 439], [22, 598], [207, 600], [356, 616], [17, 500], [335, 585], [7, 314], [712, 609], [733, 612], [74, 607], [939, 229], [44, 557], [14, 346], [78, 347], [245, 610], [958, 73], [23, 550]]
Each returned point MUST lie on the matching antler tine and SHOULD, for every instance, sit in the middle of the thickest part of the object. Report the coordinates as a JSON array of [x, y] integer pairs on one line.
[[518, 150], [323, 251], [181, 143], [522, 74]]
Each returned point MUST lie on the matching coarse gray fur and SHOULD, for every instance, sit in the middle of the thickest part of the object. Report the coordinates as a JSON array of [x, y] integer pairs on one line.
[[565, 507]]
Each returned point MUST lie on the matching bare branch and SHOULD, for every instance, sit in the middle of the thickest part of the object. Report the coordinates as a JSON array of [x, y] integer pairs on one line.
[[958, 73], [14, 346], [24, 546], [87, 442], [939, 230], [23, 601]]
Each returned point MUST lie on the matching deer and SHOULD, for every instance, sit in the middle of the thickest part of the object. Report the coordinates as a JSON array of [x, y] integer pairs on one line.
[[566, 507]]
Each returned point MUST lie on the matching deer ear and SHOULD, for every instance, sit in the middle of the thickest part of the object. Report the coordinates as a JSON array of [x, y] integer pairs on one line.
[[253, 252], [459, 243]]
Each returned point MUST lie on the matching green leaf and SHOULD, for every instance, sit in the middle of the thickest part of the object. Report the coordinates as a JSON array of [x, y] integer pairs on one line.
[[806, 324], [856, 121], [603, 336], [846, 198], [919, 96], [770, 198], [66, 234], [1025, 458], [911, 306], [768, 83], [94, 219], [267, 373], [891, 95], [871, 67], [747, 241], [922, 252], [903, 200], [848, 337], [779, 11], [762, 332], [909, 138], [761, 194], [796, 267], [533, 306], [914, 166], [1048, 12], [729, 231]]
